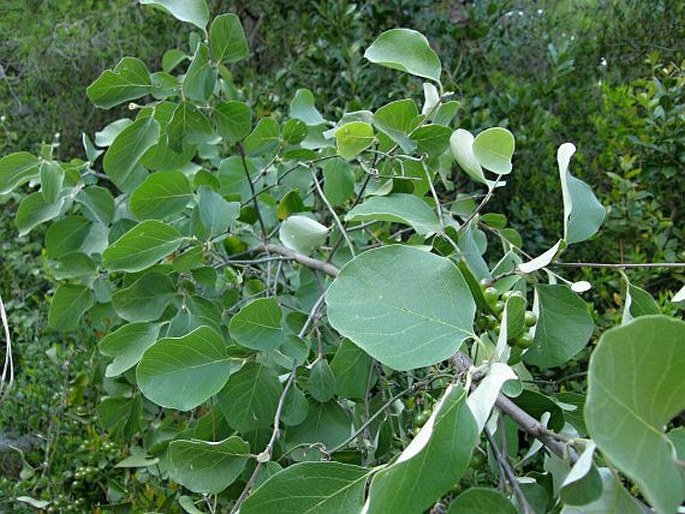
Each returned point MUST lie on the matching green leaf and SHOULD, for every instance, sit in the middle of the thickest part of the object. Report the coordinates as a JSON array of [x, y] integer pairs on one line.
[[563, 329], [615, 499], [338, 181], [121, 417], [638, 303], [127, 345], [145, 299], [295, 407], [17, 169], [294, 132], [200, 78], [398, 208], [233, 120], [258, 325], [161, 195], [405, 50], [403, 306], [351, 367], [432, 140], [98, 204], [461, 145], [353, 138], [75, 265], [583, 484], [432, 463], [141, 247], [636, 386], [291, 203], [263, 139], [494, 148], [188, 126], [183, 372], [34, 210], [302, 108], [51, 180], [191, 11], [172, 58], [122, 159], [326, 423], [68, 306], [583, 214], [310, 488], [207, 467], [129, 80], [66, 236], [397, 120], [479, 500], [483, 398], [321, 385], [216, 214], [227, 39], [250, 398], [302, 234]]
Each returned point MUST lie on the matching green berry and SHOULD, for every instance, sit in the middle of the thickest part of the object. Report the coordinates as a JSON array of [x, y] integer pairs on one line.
[[525, 341], [498, 306], [421, 418], [530, 319], [490, 295]]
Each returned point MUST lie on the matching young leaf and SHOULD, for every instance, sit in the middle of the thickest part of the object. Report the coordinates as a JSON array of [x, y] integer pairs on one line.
[[636, 386], [583, 214], [563, 329], [183, 372], [432, 463], [461, 145], [161, 195], [398, 208], [494, 148], [249, 399], [353, 138], [68, 306], [638, 302], [479, 500], [482, 399], [191, 11], [227, 39], [141, 247], [207, 467], [310, 487], [17, 169], [258, 325], [129, 80], [302, 234], [200, 79], [397, 120], [403, 306], [51, 180], [405, 50]]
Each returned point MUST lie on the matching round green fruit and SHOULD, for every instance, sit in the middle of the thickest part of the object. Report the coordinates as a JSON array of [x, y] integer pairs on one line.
[[421, 418], [491, 295], [525, 341], [530, 319], [498, 307]]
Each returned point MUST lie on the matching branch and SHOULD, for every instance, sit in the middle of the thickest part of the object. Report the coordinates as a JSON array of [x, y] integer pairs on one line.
[[621, 265], [527, 423]]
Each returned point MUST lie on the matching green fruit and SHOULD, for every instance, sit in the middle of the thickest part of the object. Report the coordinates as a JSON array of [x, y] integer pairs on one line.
[[515, 356], [496, 327], [421, 418], [525, 341], [530, 319], [498, 307], [491, 295], [478, 460], [482, 323]]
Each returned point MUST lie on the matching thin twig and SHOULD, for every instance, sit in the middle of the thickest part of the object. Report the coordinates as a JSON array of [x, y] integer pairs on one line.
[[509, 473], [265, 455], [8, 366], [241, 151], [620, 265], [484, 201]]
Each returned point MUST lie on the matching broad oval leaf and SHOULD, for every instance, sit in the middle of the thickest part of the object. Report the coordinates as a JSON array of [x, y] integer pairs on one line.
[[207, 467], [494, 148], [127, 345], [302, 234], [200, 78], [17, 169], [145, 299], [399, 208], [141, 247], [233, 120], [216, 214], [183, 372], [161, 195], [563, 329], [191, 11], [51, 180], [583, 214], [66, 236], [405, 50], [614, 499], [98, 204], [321, 384], [34, 210], [303, 108], [310, 488], [69, 304], [353, 138], [635, 387], [249, 399], [461, 145], [129, 80], [432, 463], [258, 325], [479, 500], [403, 306], [227, 41]]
